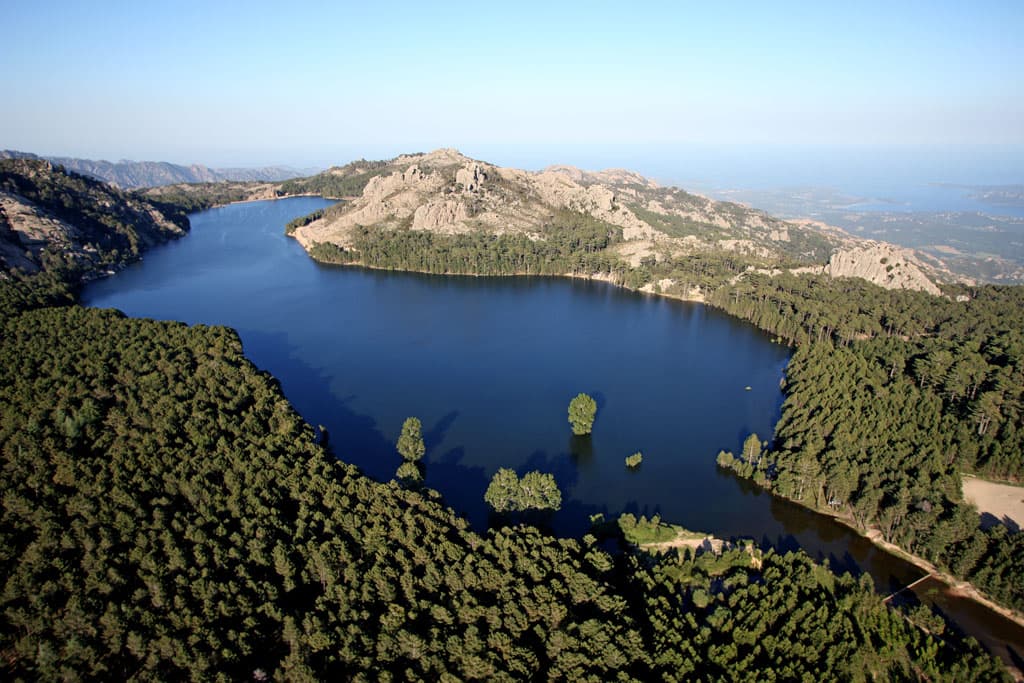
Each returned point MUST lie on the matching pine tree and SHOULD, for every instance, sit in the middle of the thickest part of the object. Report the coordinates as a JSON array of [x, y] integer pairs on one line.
[[582, 410], [410, 443]]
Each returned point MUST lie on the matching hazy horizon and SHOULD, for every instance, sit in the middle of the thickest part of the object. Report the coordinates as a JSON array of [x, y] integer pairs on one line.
[[868, 170], [261, 84]]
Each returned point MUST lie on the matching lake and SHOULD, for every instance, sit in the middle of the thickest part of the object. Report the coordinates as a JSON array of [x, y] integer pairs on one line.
[[489, 365]]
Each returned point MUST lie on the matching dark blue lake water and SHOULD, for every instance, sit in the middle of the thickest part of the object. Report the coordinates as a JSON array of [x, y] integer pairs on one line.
[[489, 365]]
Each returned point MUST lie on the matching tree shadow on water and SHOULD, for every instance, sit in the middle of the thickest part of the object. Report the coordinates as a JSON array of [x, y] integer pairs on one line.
[[581, 448], [1017, 660], [634, 508], [562, 468], [435, 435], [462, 486], [353, 438]]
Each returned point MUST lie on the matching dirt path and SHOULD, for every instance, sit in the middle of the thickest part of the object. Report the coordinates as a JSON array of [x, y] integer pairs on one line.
[[685, 541]]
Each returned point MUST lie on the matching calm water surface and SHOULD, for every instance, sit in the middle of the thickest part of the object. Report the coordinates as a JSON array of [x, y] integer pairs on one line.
[[489, 365]]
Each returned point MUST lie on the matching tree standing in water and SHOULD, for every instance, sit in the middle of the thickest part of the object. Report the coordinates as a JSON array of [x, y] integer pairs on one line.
[[582, 410], [410, 442]]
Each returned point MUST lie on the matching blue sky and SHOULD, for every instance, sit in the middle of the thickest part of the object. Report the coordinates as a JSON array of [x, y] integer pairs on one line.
[[310, 83]]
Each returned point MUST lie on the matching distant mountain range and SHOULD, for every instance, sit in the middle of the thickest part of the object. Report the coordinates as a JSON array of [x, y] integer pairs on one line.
[[134, 174]]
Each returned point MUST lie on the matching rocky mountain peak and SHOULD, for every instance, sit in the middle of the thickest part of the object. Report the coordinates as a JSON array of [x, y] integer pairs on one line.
[[446, 192], [445, 156], [471, 176]]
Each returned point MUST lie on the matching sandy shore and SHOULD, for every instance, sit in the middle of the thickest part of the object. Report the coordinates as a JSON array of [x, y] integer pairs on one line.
[[1005, 502]]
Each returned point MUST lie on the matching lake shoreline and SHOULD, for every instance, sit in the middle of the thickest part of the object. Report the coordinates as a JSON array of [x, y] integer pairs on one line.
[[594, 277], [956, 586], [315, 396]]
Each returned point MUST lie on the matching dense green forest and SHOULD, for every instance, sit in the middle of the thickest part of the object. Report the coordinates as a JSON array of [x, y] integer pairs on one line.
[[336, 183], [890, 396], [573, 243], [296, 223], [194, 197], [166, 514]]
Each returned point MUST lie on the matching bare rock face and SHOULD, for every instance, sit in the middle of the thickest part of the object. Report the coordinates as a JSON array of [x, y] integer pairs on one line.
[[621, 176], [880, 263], [26, 231], [448, 192], [45, 211], [383, 186], [471, 177], [562, 187], [443, 216]]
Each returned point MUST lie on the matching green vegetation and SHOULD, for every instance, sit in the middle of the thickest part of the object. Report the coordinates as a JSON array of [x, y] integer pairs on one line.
[[808, 624], [409, 474], [293, 225], [890, 395], [582, 410], [642, 531], [410, 442], [676, 226], [507, 492], [192, 197], [23, 292], [751, 463], [572, 243], [634, 460], [167, 515], [336, 183], [328, 252], [112, 227]]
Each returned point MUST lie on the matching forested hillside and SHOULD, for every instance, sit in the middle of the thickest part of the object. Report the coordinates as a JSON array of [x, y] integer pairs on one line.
[[51, 219], [336, 183], [890, 396], [167, 515]]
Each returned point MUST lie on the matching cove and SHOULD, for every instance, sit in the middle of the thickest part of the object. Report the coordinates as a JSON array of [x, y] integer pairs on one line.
[[489, 365]]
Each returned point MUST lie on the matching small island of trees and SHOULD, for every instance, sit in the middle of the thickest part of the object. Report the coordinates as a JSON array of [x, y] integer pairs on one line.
[[411, 447], [508, 492], [582, 410]]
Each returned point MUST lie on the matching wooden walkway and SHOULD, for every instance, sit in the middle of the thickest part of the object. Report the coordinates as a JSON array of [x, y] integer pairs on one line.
[[908, 587]]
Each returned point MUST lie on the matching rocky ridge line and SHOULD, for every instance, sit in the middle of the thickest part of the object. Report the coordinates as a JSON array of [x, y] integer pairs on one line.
[[134, 174], [448, 193]]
